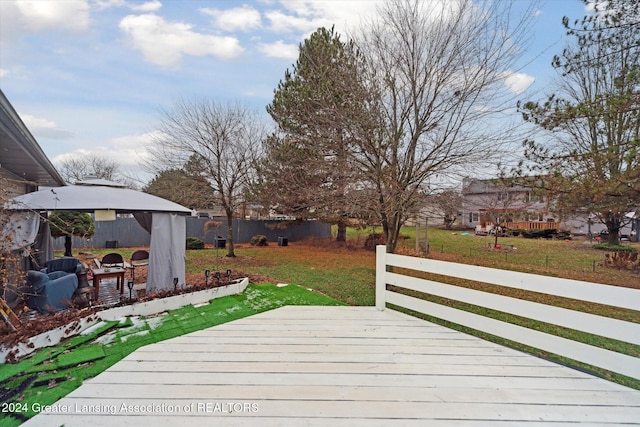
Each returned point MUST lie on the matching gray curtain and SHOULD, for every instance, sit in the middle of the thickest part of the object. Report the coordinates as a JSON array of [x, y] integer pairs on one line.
[[144, 219], [167, 251], [42, 247]]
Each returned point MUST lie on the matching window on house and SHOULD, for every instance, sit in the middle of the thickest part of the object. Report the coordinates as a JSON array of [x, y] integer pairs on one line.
[[534, 197], [473, 216], [504, 196]]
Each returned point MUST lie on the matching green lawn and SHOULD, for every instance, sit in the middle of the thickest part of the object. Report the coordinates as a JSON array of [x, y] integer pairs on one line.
[[575, 259], [338, 272], [346, 273]]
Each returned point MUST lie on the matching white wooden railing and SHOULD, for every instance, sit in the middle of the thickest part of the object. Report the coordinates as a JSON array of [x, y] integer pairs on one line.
[[591, 292]]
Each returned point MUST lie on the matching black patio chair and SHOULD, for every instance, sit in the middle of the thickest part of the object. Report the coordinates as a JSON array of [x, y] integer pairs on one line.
[[139, 258], [113, 260]]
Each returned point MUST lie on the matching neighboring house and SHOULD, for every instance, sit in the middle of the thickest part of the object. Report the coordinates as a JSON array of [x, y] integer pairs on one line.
[[244, 211], [431, 213], [487, 203], [22, 162]]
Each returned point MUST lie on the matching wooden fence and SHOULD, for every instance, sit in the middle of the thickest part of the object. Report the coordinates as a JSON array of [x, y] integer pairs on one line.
[[616, 329], [532, 225]]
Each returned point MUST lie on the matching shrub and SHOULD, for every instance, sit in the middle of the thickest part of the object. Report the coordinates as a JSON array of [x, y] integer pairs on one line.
[[373, 240], [625, 260], [539, 234], [614, 248], [563, 235], [259, 240], [513, 232], [194, 243]]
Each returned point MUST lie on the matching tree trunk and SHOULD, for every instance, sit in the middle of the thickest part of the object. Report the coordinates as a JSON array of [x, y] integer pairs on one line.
[[392, 233], [613, 223], [614, 234], [67, 246], [230, 251], [342, 232]]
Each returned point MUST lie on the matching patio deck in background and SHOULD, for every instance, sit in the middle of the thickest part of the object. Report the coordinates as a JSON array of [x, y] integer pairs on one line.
[[339, 366]]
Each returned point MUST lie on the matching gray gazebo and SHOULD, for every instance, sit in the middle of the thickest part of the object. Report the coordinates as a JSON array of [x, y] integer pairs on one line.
[[163, 219]]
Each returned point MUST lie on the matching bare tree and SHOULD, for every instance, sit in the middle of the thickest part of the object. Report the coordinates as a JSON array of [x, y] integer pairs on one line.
[[79, 168], [12, 276], [439, 69], [446, 204], [219, 140]]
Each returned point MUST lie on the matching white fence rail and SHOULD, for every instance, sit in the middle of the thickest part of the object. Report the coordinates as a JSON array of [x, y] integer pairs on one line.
[[584, 291]]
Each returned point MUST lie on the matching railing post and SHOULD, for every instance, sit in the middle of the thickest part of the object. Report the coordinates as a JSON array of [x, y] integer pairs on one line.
[[381, 269]]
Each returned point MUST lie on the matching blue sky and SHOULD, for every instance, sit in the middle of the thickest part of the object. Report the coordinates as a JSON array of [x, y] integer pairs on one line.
[[91, 75]]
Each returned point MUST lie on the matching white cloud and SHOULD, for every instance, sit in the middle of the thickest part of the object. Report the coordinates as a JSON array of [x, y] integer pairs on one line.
[[44, 128], [3, 72], [128, 151], [517, 82], [106, 4], [132, 150], [306, 16], [21, 17], [134, 142], [240, 18], [282, 22], [150, 6], [164, 43], [33, 122], [280, 49]]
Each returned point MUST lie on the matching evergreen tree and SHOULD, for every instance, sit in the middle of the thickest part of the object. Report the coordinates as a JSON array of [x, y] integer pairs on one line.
[[591, 162], [318, 109], [69, 223]]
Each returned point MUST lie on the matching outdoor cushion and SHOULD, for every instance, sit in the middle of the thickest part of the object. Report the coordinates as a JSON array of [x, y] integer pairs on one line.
[[50, 292], [68, 264]]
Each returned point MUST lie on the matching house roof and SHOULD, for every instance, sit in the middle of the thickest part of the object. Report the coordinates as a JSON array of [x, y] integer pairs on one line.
[[20, 154], [486, 186]]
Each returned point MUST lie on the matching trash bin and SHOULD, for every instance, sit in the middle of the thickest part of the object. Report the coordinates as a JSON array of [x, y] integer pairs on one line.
[[219, 242], [283, 241]]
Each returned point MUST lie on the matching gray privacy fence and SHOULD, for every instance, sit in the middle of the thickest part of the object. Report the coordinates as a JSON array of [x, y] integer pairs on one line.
[[127, 232]]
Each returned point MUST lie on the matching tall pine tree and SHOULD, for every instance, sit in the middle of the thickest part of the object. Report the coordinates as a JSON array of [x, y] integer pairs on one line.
[[591, 159], [318, 109]]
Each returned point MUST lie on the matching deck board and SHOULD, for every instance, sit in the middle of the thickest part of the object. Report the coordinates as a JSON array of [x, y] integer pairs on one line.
[[340, 366]]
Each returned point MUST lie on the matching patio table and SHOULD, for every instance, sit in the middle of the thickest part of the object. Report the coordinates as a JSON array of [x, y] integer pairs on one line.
[[106, 273]]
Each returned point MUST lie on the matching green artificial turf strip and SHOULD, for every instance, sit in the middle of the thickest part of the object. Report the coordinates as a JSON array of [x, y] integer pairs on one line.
[[81, 355], [168, 334], [33, 363], [79, 358]]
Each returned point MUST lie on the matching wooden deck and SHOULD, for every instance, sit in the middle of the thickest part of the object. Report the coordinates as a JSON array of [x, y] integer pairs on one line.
[[339, 366]]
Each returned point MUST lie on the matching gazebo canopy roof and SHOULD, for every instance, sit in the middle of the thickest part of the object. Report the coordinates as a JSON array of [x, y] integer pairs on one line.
[[92, 195]]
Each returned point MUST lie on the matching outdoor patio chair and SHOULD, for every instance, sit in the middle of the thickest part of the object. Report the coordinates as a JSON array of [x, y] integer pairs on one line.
[[113, 260], [50, 292], [66, 264], [139, 258]]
